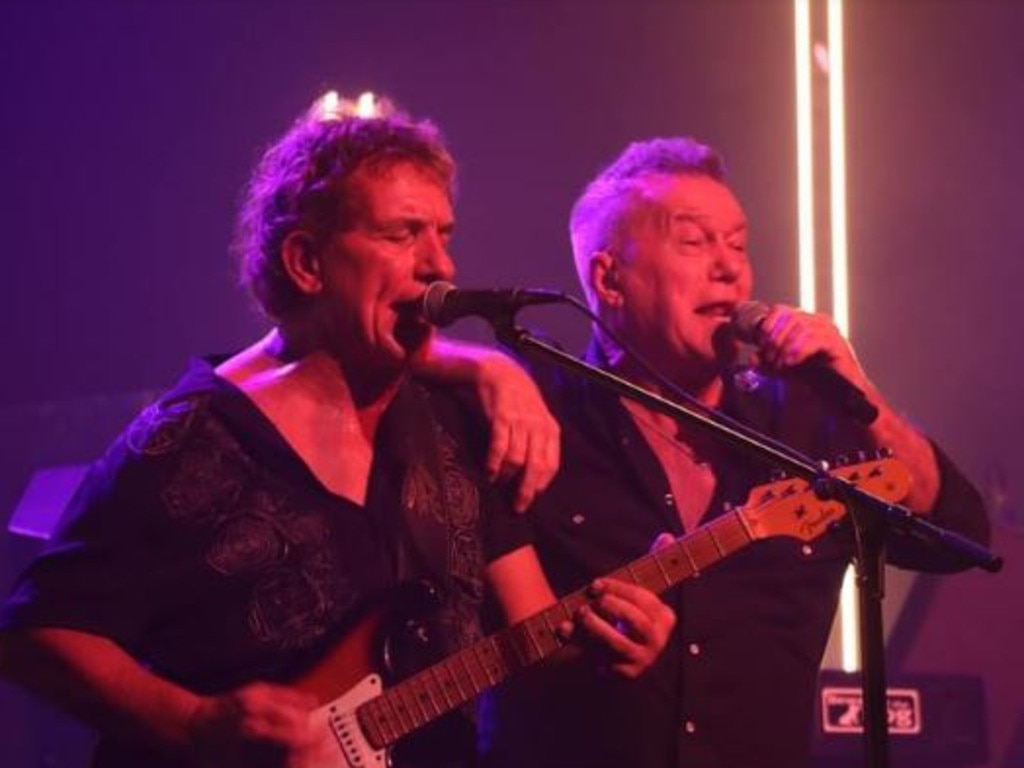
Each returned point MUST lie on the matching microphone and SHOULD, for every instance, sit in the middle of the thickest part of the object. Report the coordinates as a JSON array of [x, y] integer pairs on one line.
[[834, 387], [443, 303]]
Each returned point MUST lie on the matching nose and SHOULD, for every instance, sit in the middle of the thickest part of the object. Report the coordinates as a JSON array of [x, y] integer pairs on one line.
[[434, 262], [728, 262]]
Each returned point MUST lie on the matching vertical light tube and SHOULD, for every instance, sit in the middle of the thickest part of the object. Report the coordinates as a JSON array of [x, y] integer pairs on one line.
[[804, 153], [834, 69], [837, 165], [849, 623]]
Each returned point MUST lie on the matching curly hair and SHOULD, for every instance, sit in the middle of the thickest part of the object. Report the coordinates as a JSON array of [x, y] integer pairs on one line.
[[606, 204], [301, 184]]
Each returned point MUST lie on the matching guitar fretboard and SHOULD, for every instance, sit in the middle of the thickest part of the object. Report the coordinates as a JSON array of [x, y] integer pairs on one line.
[[461, 677]]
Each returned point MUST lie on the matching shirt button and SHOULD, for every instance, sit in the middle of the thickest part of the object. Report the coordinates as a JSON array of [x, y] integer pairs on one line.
[[807, 549], [670, 500], [694, 649], [578, 519], [690, 726]]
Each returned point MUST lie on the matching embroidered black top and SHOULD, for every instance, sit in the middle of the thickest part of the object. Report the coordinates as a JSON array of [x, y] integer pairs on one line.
[[203, 545]]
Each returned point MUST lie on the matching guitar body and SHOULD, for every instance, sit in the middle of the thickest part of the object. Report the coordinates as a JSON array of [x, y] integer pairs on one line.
[[390, 642]]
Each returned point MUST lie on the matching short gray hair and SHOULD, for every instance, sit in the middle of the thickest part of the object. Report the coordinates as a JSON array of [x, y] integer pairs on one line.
[[601, 212]]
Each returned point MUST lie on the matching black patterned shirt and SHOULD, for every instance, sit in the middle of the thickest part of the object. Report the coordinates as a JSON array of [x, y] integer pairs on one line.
[[204, 546]]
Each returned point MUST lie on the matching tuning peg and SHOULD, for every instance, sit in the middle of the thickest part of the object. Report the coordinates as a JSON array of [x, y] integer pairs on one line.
[[841, 460]]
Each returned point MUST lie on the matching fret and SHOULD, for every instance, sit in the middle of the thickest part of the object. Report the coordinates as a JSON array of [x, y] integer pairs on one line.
[[630, 568], [407, 705], [465, 657], [572, 603], [456, 677], [380, 727], [694, 568], [661, 567], [444, 684], [650, 574], [544, 637], [672, 564], [552, 628], [714, 541], [742, 518], [427, 695], [702, 549], [522, 645], [403, 718], [537, 633], [421, 696], [732, 533], [389, 725], [488, 649], [512, 650]]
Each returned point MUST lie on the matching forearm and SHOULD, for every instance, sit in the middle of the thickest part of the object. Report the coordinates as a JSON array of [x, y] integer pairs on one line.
[[627, 625], [455, 362], [524, 436], [95, 680], [909, 446]]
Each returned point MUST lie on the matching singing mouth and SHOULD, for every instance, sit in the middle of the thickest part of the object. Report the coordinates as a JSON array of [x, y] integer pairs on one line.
[[411, 331], [723, 309], [409, 310]]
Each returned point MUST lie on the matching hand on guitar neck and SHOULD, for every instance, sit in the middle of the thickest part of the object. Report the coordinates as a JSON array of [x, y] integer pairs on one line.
[[626, 625]]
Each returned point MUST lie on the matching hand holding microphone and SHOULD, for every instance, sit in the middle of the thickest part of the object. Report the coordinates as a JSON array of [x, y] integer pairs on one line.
[[810, 347]]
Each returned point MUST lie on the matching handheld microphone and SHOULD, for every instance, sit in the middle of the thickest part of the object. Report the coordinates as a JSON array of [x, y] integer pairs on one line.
[[834, 387], [443, 303]]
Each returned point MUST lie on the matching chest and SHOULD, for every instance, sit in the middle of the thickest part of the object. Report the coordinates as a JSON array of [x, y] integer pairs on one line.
[[335, 447], [692, 482]]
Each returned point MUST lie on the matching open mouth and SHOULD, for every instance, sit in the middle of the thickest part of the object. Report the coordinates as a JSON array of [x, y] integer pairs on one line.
[[718, 309], [411, 327]]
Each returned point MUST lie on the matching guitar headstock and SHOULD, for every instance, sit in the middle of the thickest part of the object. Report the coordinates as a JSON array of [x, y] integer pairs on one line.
[[791, 508]]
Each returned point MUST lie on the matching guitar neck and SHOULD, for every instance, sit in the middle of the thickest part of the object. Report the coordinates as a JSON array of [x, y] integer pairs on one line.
[[438, 689]]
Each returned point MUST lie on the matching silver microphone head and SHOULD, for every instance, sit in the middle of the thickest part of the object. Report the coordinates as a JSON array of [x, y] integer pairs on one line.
[[432, 305]]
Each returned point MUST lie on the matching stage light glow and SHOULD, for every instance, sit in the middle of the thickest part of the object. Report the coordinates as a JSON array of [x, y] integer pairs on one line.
[[328, 106], [837, 161], [829, 59], [804, 155], [366, 105]]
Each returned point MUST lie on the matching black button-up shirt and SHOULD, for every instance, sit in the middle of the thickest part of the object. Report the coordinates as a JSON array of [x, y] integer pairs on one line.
[[735, 687]]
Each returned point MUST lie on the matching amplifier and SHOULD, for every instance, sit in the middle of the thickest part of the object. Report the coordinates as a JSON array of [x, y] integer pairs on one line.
[[935, 721]]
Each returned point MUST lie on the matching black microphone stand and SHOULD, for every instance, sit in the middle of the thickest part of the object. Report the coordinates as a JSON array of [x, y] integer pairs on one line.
[[872, 517]]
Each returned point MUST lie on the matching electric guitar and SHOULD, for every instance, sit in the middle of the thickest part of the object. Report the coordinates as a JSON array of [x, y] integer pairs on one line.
[[366, 720]]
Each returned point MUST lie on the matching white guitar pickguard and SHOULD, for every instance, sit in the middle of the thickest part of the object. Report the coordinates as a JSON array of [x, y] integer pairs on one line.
[[344, 745]]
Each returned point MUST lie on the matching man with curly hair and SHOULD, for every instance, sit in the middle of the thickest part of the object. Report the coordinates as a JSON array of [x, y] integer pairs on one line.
[[242, 523]]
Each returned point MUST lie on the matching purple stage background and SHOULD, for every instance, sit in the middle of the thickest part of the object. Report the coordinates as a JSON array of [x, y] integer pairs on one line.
[[128, 129]]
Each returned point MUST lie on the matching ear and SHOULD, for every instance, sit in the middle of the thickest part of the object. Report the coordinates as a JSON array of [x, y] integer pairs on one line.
[[301, 262], [604, 279]]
